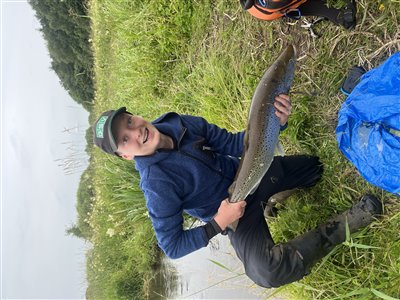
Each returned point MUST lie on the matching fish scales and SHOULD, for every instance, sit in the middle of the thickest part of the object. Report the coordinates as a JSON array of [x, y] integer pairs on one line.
[[263, 126]]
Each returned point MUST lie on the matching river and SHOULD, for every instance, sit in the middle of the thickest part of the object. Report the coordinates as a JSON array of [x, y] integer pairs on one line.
[[213, 272]]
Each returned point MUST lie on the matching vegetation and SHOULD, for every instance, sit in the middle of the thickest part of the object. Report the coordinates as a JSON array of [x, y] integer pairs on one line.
[[205, 58], [66, 28], [85, 202]]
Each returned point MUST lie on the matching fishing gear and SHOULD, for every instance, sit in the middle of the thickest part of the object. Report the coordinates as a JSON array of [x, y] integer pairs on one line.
[[310, 26]]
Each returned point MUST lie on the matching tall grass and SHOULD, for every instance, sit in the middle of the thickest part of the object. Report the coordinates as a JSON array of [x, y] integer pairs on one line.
[[205, 58]]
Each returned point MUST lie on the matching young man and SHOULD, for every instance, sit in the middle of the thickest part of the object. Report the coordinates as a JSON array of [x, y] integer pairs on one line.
[[187, 165]]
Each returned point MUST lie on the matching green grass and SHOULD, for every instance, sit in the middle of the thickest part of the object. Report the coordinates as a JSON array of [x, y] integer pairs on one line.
[[205, 58]]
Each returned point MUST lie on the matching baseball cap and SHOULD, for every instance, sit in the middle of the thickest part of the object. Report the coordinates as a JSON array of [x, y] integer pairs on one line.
[[102, 131]]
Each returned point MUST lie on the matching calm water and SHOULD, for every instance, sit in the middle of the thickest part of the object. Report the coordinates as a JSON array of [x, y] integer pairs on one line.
[[195, 276]]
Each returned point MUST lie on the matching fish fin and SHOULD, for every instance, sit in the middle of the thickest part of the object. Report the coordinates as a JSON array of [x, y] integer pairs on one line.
[[234, 225], [255, 187], [279, 151]]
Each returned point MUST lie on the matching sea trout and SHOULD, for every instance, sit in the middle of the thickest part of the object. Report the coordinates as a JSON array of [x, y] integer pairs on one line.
[[262, 132]]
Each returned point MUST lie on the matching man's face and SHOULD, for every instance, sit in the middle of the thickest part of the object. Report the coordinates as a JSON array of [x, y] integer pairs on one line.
[[134, 136]]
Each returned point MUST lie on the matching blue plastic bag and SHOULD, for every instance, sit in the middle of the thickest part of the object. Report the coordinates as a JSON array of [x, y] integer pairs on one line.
[[368, 130]]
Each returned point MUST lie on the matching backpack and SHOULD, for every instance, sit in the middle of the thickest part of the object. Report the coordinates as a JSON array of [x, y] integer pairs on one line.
[[270, 9]]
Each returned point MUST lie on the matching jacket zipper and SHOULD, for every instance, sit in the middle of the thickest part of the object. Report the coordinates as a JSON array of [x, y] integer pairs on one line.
[[198, 159]]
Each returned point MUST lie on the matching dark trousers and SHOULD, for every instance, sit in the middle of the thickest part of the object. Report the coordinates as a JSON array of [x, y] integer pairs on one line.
[[266, 263]]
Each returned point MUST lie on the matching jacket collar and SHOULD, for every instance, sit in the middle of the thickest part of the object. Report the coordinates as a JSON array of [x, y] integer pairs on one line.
[[171, 124]]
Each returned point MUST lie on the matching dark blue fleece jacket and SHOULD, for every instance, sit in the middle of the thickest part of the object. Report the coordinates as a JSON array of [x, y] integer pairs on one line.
[[193, 178]]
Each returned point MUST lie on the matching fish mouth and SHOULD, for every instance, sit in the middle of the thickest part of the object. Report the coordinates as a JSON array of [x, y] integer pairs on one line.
[[146, 135]]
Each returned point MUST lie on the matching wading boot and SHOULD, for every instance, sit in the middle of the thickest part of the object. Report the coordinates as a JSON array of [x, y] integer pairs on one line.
[[270, 210], [315, 244]]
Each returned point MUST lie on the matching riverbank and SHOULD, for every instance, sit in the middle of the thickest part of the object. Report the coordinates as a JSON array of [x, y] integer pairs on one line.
[[205, 58]]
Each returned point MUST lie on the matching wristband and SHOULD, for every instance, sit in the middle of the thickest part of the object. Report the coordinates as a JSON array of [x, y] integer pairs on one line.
[[212, 229]]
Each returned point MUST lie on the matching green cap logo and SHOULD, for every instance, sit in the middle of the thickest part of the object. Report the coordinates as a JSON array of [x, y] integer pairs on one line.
[[100, 127]]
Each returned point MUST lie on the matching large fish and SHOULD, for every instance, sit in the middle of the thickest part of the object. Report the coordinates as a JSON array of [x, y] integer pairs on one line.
[[261, 136]]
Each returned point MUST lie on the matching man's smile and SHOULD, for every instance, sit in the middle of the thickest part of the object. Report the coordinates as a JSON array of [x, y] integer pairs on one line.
[[146, 135]]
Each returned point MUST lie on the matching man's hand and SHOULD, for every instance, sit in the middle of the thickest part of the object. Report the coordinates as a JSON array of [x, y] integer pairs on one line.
[[229, 212], [283, 108]]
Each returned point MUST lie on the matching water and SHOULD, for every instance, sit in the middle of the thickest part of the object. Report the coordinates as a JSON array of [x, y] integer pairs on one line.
[[196, 276]]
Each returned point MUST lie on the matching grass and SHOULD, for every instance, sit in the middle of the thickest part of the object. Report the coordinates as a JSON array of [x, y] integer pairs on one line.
[[205, 58]]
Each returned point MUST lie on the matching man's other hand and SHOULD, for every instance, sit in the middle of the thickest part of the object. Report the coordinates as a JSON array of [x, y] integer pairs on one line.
[[283, 108]]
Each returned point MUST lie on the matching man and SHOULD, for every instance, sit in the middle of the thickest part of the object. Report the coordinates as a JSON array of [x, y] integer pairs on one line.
[[187, 164]]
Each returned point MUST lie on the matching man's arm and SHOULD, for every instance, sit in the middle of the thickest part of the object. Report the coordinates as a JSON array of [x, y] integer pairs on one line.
[[166, 213], [228, 143], [219, 139], [167, 219]]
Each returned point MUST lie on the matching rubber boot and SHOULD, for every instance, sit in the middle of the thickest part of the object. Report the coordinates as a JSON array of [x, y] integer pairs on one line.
[[315, 244], [270, 210], [352, 79]]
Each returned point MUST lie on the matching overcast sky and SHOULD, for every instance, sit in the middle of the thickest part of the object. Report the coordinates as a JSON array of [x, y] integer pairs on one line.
[[37, 197]]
